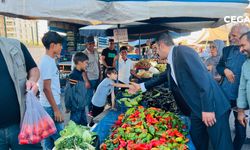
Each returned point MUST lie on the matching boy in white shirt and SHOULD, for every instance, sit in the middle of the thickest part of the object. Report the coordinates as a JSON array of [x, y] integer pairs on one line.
[[49, 85], [125, 68]]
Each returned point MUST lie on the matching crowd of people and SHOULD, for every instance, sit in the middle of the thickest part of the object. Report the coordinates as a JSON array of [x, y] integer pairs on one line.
[[209, 91]]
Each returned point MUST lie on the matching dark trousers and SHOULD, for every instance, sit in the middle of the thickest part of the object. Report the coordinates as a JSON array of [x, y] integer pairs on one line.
[[79, 117], [240, 130], [219, 134], [95, 111]]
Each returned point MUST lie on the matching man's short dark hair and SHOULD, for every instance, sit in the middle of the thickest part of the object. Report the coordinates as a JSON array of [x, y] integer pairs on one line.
[[111, 40], [90, 39], [166, 39], [124, 48], [110, 71], [247, 34], [51, 37], [80, 57]]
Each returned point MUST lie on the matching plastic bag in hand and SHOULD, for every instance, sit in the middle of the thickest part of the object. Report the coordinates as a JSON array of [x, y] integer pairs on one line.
[[36, 124]]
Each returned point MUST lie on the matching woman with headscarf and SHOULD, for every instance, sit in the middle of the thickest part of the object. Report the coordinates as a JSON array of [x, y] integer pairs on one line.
[[216, 52]]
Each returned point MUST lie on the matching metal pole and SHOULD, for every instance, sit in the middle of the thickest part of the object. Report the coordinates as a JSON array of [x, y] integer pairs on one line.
[[118, 51], [5, 28], [140, 45], [37, 38]]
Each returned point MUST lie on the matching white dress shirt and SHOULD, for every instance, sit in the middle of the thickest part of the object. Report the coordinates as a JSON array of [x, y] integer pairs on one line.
[[170, 62]]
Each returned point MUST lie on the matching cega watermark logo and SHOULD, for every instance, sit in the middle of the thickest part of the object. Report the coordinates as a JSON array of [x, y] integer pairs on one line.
[[237, 19]]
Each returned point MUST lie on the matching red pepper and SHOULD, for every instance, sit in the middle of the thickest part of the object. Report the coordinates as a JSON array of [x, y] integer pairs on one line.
[[150, 119], [124, 125], [118, 122], [122, 143], [104, 146]]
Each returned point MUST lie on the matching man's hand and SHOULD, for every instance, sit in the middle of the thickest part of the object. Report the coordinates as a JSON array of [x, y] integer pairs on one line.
[[31, 85], [242, 118], [58, 116], [87, 85], [208, 118], [133, 88], [230, 75]]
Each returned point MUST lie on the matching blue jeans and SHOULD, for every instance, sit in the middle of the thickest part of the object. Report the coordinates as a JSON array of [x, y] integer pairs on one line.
[[90, 92], [79, 117], [240, 131], [9, 139], [48, 143]]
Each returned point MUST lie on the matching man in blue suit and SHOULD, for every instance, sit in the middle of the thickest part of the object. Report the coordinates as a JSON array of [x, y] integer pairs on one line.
[[188, 76]]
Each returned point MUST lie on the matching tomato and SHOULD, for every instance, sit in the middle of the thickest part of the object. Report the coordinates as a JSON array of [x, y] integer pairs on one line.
[[21, 135], [23, 141], [52, 131], [35, 139], [28, 130], [45, 134]]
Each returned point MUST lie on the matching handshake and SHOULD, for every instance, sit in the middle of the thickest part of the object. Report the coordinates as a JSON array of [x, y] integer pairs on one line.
[[133, 88]]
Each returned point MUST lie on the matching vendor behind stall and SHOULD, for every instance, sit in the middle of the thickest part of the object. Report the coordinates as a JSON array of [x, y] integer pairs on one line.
[[108, 55], [125, 67]]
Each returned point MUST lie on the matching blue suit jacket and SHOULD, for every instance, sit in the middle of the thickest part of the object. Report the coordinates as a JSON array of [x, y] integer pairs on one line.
[[198, 88]]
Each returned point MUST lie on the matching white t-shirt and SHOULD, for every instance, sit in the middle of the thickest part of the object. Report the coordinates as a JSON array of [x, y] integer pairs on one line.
[[124, 70], [49, 70]]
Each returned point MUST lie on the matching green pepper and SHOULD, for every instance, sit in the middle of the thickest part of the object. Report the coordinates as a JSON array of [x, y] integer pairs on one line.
[[156, 95], [127, 103], [144, 140], [130, 111], [138, 130], [159, 133], [149, 137], [142, 135], [133, 103], [152, 130], [131, 136]]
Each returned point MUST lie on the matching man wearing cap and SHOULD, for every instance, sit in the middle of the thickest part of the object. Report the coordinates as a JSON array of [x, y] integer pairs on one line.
[[92, 75], [108, 55]]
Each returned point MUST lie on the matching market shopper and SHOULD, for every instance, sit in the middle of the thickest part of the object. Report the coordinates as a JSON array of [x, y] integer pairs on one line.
[[49, 85], [243, 100], [108, 55], [18, 73], [76, 92], [209, 107], [216, 51], [229, 67]]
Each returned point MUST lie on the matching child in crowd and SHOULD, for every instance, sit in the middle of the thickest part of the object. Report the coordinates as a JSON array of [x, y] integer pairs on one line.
[[105, 88], [49, 85], [75, 91]]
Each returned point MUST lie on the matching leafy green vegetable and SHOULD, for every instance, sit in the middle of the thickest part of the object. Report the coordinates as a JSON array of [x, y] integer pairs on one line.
[[75, 137]]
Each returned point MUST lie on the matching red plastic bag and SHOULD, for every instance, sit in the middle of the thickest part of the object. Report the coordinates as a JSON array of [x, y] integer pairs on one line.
[[37, 124]]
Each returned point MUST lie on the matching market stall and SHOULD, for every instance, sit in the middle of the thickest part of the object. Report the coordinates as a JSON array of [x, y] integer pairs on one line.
[[147, 117], [119, 120]]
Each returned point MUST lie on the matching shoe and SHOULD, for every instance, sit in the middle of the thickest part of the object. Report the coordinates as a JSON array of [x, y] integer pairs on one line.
[[90, 114], [90, 124]]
